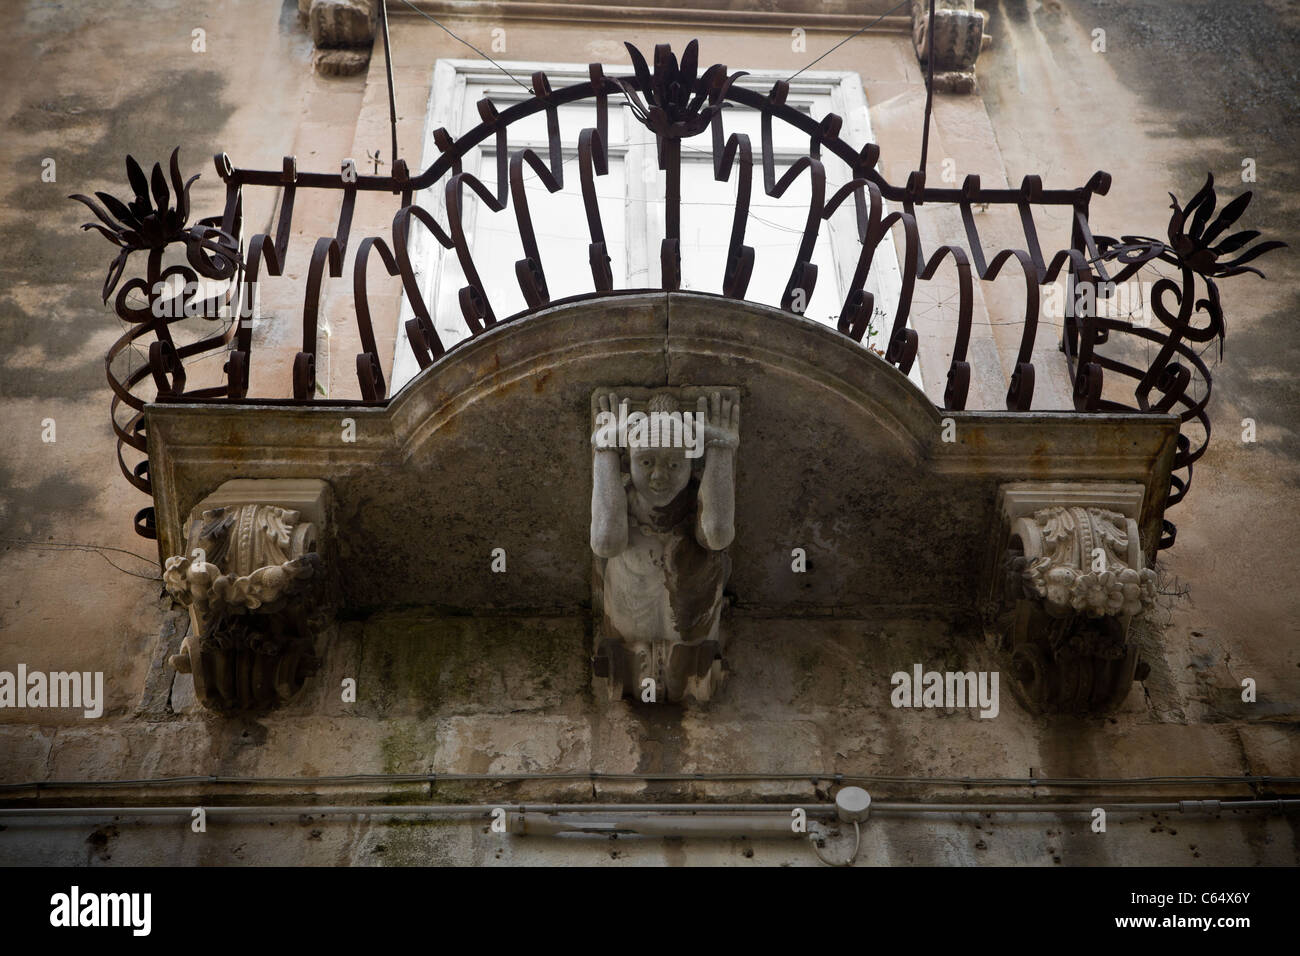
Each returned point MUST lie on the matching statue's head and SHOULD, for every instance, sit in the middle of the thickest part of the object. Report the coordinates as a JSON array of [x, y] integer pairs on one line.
[[659, 474]]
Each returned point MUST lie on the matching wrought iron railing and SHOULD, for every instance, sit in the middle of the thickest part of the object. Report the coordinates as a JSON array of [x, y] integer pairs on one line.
[[675, 101]]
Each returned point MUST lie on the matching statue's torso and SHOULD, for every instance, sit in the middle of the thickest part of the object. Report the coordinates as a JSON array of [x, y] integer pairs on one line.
[[637, 601]]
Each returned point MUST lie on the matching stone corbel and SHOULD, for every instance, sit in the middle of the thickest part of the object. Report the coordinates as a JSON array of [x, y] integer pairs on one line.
[[344, 33], [253, 578], [663, 510], [958, 38], [1070, 580]]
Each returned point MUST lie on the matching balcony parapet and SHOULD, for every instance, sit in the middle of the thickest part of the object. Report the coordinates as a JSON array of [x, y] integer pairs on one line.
[[676, 101]]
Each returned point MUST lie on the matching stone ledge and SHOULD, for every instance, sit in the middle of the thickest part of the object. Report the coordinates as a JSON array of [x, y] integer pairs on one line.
[[429, 466]]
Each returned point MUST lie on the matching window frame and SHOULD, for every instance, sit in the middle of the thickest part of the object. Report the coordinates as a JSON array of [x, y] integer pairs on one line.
[[449, 108]]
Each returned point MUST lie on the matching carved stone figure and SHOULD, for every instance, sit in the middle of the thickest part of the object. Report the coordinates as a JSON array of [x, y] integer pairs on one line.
[[1076, 578], [662, 517], [958, 40], [252, 579]]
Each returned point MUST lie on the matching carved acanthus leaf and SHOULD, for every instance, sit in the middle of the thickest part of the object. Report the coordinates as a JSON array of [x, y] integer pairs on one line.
[[245, 559], [1084, 565], [254, 583]]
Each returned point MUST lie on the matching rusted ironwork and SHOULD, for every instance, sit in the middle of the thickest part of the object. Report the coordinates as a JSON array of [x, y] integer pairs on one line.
[[675, 101], [1190, 234], [150, 223]]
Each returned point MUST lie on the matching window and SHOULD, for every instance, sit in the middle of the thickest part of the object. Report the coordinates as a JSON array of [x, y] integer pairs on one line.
[[632, 204]]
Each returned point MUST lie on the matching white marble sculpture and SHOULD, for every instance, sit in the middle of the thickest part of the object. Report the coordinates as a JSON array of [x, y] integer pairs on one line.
[[662, 517]]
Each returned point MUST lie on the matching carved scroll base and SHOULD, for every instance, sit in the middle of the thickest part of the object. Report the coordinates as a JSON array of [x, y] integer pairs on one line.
[[679, 671], [1071, 665], [248, 662], [254, 580], [1073, 577]]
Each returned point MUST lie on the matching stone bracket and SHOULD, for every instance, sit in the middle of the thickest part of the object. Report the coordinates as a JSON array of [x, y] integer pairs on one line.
[[253, 576], [958, 39], [343, 32], [657, 591], [1069, 575]]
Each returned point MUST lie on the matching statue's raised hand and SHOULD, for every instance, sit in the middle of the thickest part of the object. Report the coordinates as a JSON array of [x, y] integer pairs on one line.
[[605, 437], [722, 421]]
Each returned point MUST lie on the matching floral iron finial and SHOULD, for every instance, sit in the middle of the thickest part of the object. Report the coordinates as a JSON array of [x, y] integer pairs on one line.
[[1191, 245], [1190, 249], [149, 222], [678, 103]]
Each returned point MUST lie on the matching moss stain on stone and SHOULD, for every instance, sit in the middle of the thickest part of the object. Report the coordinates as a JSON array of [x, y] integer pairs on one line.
[[403, 753], [447, 666]]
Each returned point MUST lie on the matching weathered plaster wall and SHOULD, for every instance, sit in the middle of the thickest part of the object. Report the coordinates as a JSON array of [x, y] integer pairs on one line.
[[511, 695], [1150, 112]]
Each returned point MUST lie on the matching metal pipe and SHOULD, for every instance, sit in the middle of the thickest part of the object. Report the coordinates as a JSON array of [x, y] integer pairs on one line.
[[929, 91], [656, 825], [388, 66], [597, 776], [779, 812], [445, 811]]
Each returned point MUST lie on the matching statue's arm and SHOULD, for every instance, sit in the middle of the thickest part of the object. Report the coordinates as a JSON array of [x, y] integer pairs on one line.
[[608, 496], [715, 524], [608, 505]]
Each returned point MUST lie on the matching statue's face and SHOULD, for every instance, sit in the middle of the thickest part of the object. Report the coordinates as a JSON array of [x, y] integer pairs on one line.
[[659, 474]]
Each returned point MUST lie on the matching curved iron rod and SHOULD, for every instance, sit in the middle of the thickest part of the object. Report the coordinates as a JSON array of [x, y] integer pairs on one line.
[[370, 373], [954, 396]]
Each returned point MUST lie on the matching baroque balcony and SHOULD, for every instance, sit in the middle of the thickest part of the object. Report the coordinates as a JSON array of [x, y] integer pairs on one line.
[[1036, 521]]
